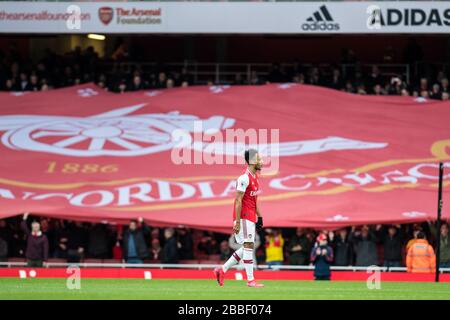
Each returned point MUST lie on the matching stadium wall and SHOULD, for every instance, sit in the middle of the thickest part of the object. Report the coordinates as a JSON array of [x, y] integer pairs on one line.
[[149, 273]]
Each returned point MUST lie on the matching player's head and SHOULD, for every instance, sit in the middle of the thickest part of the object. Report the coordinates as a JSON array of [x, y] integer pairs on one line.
[[253, 159]]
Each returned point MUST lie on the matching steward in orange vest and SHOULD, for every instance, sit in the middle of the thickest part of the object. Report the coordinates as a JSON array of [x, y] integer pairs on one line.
[[421, 257]]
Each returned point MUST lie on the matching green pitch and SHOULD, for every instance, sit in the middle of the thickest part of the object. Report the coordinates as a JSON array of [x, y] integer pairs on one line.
[[12, 288]]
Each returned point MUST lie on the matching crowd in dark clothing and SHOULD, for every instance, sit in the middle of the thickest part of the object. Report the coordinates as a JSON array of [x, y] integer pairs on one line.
[[137, 242], [121, 75]]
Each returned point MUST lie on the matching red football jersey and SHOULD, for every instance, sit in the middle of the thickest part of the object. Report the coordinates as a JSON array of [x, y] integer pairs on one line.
[[249, 184]]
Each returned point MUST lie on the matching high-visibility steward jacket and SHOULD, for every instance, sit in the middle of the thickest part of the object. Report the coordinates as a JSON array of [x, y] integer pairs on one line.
[[421, 257]]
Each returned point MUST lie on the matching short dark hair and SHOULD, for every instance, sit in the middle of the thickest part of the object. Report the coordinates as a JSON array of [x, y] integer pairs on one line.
[[250, 154], [420, 235]]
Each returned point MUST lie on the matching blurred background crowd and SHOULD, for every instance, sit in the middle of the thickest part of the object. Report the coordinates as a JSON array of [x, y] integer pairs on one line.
[[72, 241], [120, 72]]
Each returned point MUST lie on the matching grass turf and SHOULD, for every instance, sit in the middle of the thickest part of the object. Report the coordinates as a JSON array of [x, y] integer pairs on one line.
[[12, 288]]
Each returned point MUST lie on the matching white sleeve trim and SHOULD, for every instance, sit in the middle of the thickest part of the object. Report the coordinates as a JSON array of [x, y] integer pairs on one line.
[[242, 183]]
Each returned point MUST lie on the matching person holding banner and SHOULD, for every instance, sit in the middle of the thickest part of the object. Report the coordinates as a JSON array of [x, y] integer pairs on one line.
[[37, 243]]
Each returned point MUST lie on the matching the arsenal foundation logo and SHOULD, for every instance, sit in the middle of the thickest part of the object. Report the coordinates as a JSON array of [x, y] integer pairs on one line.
[[105, 15]]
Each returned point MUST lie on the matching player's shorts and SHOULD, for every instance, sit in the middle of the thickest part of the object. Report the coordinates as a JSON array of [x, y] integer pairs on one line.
[[246, 232]]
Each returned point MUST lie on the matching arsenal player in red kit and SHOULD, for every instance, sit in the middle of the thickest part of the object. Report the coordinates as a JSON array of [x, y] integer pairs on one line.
[[247, 219]]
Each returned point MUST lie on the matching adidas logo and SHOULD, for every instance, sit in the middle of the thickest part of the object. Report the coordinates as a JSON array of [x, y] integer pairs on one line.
[[320, 20]]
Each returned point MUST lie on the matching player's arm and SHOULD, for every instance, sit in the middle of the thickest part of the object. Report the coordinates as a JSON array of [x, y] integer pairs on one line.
[[259, 223], [238, 209], [258, 212]]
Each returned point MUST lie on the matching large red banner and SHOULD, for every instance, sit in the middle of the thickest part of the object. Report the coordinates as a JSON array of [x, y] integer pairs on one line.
[[83, 153]]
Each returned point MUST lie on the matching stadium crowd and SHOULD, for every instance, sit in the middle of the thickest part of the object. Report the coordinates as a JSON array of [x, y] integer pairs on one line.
[[39, 239], [81, 66]]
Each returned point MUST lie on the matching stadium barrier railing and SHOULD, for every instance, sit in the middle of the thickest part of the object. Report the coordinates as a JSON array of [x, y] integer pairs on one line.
[[201, 266], [225, 73]]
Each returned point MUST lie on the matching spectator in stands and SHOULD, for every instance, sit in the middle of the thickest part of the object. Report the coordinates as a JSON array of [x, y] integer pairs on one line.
[[61, 244], [122, 86], [365, 246], [3, 250], [170, 249], [98, 241], [117, 251], [161, 82], [137, 83], [77, 238], [185, 244], [37, 244], [299, 248], [34, 83], [135, 248], [225, 251], [349, 88], [378, 90], [423, 85], [420, 257], [274, 248], [445, 96], [336, 81], [24, 85], [155, 250], [299, 78], [444, 247], [374, 78], [392, 239], [6, 234], [45, 87], [208, 245], [445, 86], [170, 83], [322, 257], [436, 93], [342, 248], [9, 85]]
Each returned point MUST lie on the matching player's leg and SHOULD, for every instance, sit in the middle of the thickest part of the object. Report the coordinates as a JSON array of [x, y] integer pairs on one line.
[[233, 260], [247, 258]]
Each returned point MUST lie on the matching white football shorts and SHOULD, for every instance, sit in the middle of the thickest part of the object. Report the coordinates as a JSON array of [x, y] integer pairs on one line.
[[246, 233]]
